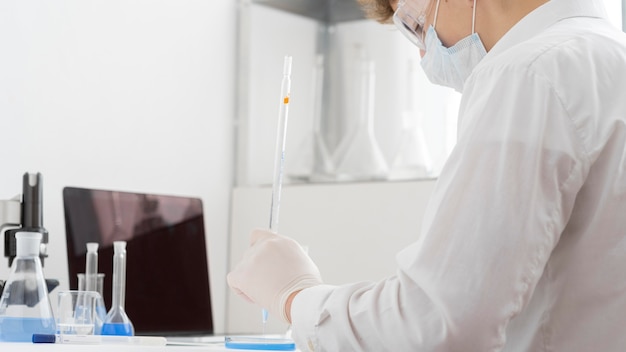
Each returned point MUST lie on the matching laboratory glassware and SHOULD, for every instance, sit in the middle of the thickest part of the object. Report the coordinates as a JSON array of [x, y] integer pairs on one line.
[[359, 157], [312, 161], [412, 159], [279, 154], [99, 283], [101, 309], [281, 134], [91, 267], [25, 306], [91, 282], [80, 313], [117, 321]]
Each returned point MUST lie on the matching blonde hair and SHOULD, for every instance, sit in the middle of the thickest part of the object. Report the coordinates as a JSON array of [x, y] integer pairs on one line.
[[378, 10]]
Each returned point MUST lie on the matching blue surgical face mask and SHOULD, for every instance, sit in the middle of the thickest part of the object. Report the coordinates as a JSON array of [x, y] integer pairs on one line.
[[451, 66]]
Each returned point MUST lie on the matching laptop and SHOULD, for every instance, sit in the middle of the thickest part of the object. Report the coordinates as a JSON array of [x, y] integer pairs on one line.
[[167, 280]]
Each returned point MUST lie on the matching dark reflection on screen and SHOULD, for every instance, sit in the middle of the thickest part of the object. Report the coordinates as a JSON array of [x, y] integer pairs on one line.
[[167, 285]]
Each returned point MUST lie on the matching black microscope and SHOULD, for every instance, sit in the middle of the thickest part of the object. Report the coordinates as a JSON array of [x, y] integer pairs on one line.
[[25, 213]]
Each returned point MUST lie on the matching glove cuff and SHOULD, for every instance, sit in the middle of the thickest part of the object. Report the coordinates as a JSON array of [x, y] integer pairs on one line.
[[299, 284]]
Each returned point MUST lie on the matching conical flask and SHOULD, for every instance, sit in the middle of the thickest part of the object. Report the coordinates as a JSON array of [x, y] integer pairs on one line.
[[25, 306], [313, 161], [412, 159], [359, 157], [117, 321]]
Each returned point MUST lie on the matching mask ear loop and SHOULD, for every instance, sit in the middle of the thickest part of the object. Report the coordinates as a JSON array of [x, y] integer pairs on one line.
[[436, 12], [474, 17]]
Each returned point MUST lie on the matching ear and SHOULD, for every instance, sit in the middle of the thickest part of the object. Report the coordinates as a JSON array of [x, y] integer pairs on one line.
[[394, 4]]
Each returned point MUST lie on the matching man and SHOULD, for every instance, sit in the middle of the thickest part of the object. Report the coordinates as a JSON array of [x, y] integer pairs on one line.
[[523, 246]]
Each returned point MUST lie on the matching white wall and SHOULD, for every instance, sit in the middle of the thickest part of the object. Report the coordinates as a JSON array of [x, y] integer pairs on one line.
[[133, 95]]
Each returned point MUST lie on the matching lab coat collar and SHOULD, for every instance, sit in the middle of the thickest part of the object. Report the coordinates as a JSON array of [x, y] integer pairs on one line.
[[543, 17]]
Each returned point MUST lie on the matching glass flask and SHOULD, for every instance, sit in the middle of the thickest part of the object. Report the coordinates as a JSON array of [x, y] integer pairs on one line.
[[25, 306], [117, 321], [359, 157], [91, 267], [412, 159], [99, 283], [313, 161], [80, 313], [100, 313]]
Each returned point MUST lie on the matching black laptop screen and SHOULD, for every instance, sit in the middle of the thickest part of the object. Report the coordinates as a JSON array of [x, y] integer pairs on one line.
[[167, 281]]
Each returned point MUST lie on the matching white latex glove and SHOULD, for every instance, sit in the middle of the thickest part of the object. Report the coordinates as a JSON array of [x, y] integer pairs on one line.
[[272, 268]]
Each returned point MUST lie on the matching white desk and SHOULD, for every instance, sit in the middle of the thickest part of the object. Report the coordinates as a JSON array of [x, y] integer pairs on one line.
[[24, 347], [212, 344]]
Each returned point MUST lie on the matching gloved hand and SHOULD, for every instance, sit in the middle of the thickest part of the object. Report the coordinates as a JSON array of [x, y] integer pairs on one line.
[[272, 268]]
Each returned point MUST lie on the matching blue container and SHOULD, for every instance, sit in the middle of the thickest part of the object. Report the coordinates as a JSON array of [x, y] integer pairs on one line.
[[120, 329], [22, 329]]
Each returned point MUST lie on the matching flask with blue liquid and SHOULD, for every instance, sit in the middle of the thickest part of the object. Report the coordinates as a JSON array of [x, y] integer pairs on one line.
[[117, 321], [25, 306]]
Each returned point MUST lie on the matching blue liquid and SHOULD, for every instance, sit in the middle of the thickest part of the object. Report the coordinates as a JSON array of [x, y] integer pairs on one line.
[[101, 312], [259, 343], [22, 329], [119, 329]]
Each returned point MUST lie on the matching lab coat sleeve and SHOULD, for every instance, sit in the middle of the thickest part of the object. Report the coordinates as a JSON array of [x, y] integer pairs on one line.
[[496, 213]]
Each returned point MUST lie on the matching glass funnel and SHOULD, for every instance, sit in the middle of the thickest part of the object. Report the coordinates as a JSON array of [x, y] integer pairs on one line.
[[359, 157], [412, 159], [25, 306], [313, 162]]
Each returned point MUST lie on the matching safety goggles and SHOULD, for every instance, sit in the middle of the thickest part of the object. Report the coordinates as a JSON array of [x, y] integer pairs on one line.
[[410, 18]]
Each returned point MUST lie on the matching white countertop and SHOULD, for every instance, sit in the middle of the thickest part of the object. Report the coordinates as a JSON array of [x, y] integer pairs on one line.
[[215, 343], [19, 347]]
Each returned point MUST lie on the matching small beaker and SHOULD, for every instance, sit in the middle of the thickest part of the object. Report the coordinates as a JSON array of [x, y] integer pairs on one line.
[[25, 306], [80, 313]]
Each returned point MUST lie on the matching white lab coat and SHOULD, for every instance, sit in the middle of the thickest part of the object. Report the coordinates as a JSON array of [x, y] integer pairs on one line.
[[523, 244]]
